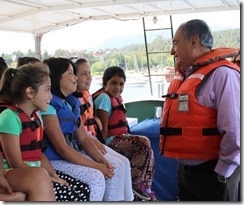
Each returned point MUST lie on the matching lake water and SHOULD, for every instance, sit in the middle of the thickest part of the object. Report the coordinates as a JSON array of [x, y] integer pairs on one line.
[[133, 91]]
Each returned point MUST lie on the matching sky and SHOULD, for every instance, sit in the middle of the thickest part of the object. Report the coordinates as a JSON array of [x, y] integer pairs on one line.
[[92, 34]]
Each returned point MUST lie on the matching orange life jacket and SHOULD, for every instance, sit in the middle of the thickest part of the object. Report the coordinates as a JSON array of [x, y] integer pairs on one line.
[[117, 123], [86, 110], [31, 137], [192, 133]]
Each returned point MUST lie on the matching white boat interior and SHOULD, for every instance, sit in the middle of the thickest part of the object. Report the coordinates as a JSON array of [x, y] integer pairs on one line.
[[41, 16]]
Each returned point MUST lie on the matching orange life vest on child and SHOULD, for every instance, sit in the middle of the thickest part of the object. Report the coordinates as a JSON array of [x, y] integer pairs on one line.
[[87, 112], [188, 129], [31, 137]]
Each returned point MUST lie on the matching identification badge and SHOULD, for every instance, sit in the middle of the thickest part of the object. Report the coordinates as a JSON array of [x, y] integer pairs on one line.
[[183, 103]]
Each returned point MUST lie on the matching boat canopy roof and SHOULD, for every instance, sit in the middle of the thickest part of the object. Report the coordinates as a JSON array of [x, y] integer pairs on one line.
[[41, 16]]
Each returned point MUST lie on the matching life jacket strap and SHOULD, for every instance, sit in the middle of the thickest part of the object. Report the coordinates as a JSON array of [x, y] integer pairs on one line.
[[72, 141], [90, 122], [84, 107], [70, 136], [210, 131], [33, 146], [121, 123], [119, 107], [171, 96], [31, 124], [169, 131]]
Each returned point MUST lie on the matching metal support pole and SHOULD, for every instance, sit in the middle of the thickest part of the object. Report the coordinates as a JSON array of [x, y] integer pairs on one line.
[[38, 38], [148, 66]]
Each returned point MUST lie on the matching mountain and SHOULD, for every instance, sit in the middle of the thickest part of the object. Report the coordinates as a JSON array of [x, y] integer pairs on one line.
[[222, 37], [120, 41]]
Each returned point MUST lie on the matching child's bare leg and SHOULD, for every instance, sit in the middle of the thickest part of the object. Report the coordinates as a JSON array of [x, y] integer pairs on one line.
[[33, 181], [17, 196]]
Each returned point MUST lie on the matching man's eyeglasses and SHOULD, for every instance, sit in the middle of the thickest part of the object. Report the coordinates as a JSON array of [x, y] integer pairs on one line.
[[236, 61]]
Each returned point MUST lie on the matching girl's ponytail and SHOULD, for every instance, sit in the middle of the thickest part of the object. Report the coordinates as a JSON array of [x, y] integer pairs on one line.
[[5, 84]]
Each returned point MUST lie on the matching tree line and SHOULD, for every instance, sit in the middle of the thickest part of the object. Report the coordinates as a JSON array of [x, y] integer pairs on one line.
[[133, 56]]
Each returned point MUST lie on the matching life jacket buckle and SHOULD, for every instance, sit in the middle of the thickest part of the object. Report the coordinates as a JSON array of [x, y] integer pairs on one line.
[[33, 145], [171, 96], [90, 122], [35, 124]]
